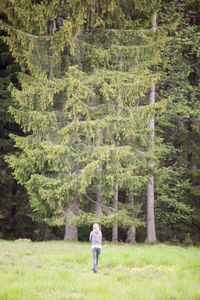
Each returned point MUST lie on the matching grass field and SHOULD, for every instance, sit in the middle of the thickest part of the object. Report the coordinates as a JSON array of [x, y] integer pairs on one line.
[[61, 270]]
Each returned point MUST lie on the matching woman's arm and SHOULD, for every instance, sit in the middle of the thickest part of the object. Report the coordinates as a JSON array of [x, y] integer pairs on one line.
[[90, 238]]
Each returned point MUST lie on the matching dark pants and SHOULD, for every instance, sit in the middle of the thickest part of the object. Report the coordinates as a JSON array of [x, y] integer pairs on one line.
[[95, 254]]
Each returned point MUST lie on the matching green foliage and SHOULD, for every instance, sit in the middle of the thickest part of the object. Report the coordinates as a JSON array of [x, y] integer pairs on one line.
[[86, 70], [170, 189], [15, 220], [179, 124], [86, 65], [124, 218], [188, 241]]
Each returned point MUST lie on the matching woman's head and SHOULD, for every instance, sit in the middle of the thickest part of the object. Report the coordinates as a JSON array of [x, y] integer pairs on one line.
[[95, 226]]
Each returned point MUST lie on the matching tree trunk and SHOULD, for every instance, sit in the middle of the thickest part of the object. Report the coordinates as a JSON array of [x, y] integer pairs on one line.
[[98, 203], [99, 192], [153, 23], [42, 230], [115, 206], [151, 233], [131, 234], [71, 232]]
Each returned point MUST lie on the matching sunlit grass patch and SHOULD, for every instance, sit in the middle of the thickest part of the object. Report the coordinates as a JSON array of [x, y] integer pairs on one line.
[[57, 270]]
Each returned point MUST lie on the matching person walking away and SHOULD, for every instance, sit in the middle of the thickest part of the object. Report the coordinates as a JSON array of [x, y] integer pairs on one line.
[[96, 239]]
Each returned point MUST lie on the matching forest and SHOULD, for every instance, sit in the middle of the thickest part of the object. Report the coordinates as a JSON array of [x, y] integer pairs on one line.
[[100, 120]]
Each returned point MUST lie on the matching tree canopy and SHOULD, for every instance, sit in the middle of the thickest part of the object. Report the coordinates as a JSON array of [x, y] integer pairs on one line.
[[81, 101]]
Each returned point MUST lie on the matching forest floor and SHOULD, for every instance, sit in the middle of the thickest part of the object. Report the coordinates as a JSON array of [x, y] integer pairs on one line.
[[63, 270]]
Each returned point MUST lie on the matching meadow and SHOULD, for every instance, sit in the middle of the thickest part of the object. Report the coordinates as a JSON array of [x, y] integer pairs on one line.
[[63, 270]]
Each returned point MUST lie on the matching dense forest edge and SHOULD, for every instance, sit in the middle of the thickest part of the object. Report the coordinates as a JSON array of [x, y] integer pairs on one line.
[[75, 141]]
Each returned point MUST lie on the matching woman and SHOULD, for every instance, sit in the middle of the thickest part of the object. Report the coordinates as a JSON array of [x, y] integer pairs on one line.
[[96, 239]]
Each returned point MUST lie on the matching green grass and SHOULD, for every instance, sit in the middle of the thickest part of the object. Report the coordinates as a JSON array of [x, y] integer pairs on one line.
[[62, 270]]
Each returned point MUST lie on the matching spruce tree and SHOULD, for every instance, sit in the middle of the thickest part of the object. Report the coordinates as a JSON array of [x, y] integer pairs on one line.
[[85, 66], [15, 211], [178, 125]]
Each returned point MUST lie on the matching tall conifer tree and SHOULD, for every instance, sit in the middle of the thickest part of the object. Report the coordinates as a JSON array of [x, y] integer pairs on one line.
[[85, 65]]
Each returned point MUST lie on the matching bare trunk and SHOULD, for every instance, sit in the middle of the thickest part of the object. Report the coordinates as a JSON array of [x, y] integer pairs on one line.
[[154, 21], [151, 233], [117, 144], [131, 234], [99, 193], [98, 203], [42, 230], [115, 206], [71, 232]]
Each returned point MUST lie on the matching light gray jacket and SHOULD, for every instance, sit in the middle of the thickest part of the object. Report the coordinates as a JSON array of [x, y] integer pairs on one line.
[[96, 238]]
